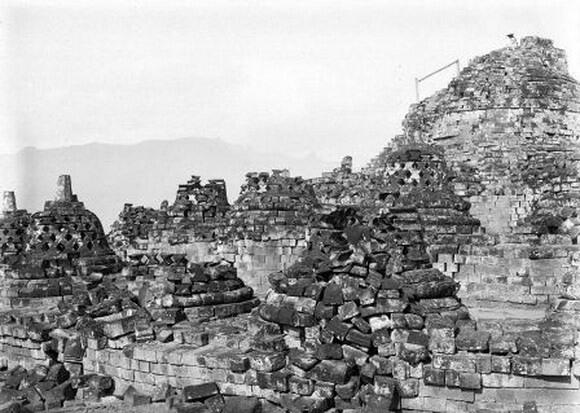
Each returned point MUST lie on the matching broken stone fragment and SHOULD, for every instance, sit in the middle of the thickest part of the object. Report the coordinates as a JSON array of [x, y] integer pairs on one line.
[[199, 392], [359, 338], [413, 353], [470, 381], [329, 351], [527, 366], [193, 407], [347, 391], [391, 305], [266, 361], [333, 371], [240, 404], [215, 403], [337, 328], [472, 340], [444, 345], [332, 295], [354, 355], [362, 324], [367, 372], [324, 312], [56, 396], [435, 289], [433, 376], [383, 365], [301, 386], [380, 322], [503, 345], [378, 404], [302, 359], [348, 310]]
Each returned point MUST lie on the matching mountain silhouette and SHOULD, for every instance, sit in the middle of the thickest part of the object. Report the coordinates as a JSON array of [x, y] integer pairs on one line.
[[105, 176]]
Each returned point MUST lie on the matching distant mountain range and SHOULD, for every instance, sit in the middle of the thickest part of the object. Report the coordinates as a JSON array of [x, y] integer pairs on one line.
[[105, 176]]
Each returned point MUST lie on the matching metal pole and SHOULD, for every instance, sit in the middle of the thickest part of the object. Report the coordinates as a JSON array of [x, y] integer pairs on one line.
[[418, 80], [417, 88]]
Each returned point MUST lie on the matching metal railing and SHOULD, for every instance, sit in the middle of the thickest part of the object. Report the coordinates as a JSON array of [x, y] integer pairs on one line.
[[418, 80]]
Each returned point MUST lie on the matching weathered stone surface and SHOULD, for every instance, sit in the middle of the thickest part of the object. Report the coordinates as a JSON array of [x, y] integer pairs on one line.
[[199, 392], [333, 371]]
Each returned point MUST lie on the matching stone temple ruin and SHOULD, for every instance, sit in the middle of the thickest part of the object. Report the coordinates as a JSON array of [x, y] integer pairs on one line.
[[442, 277]]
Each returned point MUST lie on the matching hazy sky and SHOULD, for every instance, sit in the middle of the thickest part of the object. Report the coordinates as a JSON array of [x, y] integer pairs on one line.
[[328, 77]]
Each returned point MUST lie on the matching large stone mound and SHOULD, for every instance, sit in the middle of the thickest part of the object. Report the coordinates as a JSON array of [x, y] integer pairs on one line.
[[362, 300], [508, 124]]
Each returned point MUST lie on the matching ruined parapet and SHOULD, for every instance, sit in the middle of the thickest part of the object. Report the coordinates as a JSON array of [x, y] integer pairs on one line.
[[132, 228], [393, 173], [510, 125], [342, 187], [203, 203], [173, 289], [268, 224], [193, 225]]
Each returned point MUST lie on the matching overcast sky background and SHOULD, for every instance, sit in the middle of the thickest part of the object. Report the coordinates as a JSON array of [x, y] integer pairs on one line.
[[298, 77]]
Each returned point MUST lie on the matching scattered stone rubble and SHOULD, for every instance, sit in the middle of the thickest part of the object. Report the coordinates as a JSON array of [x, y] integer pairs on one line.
[[442, 277]]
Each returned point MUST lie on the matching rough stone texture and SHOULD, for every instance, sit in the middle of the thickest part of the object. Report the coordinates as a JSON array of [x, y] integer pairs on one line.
[[509, 125], [45, 251]]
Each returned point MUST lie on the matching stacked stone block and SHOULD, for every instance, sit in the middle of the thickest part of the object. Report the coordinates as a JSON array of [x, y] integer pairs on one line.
[[175, 288], [132, 228]]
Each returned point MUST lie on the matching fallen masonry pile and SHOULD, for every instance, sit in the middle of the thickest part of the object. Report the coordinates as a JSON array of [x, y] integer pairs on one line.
[[132, 228], [171, 288], [48, 388], [354, 312], [384, 331]]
